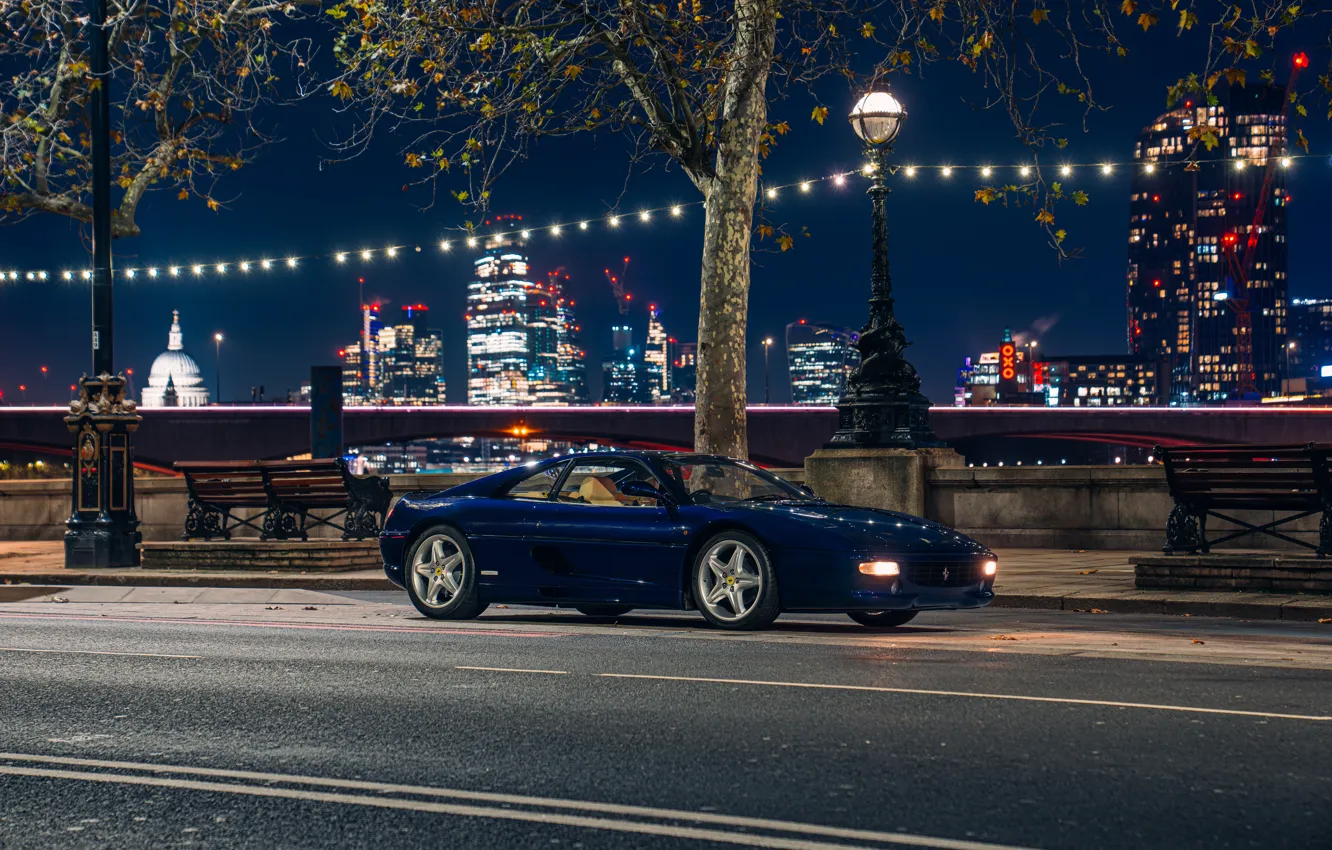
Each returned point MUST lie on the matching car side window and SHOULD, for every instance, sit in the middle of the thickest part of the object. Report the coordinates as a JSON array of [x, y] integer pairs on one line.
[[598, 483], [538, 485]]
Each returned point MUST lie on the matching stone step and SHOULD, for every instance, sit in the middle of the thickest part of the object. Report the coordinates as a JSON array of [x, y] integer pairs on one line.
[[309, 556], [1234, 572]]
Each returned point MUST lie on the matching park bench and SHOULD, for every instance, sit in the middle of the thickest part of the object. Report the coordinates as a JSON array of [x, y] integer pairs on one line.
[[282, 496], [1216, 481]]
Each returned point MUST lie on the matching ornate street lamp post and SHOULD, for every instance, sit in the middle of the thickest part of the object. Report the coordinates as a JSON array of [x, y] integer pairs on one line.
[[103, 528], [882, 405]]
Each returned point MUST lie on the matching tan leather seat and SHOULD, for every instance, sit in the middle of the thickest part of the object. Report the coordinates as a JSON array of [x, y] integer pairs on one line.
[[596, 490]]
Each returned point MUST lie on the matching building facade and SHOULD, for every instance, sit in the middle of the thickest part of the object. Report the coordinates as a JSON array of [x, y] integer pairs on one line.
[[1309, 346], [657, 357], [624, 375], [400, 363], [175, 379], [1207, 276], [1113, 380], [819, 358], [498, 338], [684, 372]]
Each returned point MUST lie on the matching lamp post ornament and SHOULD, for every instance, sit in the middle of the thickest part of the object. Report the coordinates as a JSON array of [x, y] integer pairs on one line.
[[882, 405]]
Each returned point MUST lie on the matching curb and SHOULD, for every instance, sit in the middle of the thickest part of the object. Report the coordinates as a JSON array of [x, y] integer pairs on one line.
[[1239, 609], [62, 578]]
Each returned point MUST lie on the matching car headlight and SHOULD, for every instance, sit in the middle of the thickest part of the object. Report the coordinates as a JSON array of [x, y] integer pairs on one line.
[[880, 568], [991, 567]]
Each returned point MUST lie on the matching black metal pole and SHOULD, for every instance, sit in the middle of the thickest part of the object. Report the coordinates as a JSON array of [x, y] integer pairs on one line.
[[103, 529], [101, 190], [882, 405]]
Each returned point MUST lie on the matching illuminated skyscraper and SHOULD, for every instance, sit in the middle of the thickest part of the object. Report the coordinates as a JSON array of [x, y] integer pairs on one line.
[[413, 360], [1187, 229], [657, 358], [571, 359], [624, 376], [499, 342], [819, 357]]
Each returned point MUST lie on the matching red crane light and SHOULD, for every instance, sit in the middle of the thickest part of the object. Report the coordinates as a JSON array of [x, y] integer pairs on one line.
[[1301, 60], [1156, 199]]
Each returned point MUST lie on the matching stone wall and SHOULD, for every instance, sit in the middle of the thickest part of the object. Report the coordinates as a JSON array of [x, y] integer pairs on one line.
[[1049, 507], [1075, 507]]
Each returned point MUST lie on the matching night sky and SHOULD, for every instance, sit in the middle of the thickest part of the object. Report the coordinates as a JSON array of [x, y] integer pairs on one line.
[[961, 271]]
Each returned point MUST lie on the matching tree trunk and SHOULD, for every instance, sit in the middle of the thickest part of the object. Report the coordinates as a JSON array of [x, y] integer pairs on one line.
[[719, 412]]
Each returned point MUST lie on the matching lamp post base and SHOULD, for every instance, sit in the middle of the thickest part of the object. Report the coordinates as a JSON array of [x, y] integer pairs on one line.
[[101, 548], [884, 420]]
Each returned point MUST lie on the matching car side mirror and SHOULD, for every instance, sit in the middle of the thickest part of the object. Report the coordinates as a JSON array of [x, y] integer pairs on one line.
[[644, 490], [808, 489]]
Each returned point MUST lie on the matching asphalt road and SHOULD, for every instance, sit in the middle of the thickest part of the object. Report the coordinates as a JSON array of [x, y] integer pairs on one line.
[[358, 724]]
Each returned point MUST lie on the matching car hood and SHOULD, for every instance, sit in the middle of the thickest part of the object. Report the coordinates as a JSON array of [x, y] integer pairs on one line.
[[873, 529]]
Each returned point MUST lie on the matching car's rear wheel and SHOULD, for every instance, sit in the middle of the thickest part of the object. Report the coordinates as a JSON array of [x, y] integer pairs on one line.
[[882, 619], [441, 575], [733, 583], [605, 611]]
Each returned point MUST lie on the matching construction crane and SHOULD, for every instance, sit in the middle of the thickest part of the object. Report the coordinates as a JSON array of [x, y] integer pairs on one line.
[[622, 298], [1247, 379]]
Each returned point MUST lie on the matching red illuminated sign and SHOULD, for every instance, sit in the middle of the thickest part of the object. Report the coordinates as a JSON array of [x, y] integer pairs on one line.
[[1007, 361]]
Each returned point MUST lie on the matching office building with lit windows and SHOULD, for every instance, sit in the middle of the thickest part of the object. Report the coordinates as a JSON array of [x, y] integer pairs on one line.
[[1207, 287], [412, 354], [819, 358], [1309, 344], [624, 375], [657, 357], [1113, 380], [499, 362], [402, 363], [684, 371]]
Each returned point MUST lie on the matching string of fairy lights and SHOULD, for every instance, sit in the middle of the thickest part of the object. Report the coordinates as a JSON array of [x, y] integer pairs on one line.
[[471, 238]]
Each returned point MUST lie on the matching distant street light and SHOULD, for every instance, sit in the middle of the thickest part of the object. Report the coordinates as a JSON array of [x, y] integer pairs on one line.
[[767, 372], [882, 405], [217, 338]]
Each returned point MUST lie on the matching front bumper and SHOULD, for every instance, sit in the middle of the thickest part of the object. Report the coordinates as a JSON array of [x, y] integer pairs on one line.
[[816, 581]]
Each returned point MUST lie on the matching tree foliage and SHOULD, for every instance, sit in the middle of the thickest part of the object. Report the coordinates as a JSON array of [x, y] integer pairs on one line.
[[186, 77]]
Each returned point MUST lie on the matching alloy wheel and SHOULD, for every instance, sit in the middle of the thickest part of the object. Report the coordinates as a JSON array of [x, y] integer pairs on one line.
[[732, 583], [437, 571]]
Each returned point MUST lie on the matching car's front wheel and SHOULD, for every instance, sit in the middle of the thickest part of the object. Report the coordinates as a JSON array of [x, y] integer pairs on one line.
[[734, 585], [882, 619], [441, 575]]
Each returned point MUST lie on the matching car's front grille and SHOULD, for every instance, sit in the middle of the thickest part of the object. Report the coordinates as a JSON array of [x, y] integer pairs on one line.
[[944, 573]]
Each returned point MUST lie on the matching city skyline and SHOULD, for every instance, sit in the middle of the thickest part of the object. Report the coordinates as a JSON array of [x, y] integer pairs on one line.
[[945, 244]]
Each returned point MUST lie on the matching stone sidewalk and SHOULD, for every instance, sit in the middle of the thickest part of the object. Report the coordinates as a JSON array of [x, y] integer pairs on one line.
[[1089, 581]]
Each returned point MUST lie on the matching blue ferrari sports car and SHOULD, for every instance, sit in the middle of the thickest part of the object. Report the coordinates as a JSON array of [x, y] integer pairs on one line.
[[607, 532]]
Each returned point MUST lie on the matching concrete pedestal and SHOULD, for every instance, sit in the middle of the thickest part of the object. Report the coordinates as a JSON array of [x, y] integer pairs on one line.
[[893, 479]]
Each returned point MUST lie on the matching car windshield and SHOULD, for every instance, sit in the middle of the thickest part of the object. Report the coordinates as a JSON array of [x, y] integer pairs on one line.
[[709, 479]]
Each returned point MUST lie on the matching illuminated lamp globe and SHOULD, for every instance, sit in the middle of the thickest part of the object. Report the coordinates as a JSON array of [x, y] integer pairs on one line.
[[877, 118]]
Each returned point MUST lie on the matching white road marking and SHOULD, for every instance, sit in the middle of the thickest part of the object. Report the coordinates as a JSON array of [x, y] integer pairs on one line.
[[1019, 697], [96, 652], [513, 670], [582, 821]]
